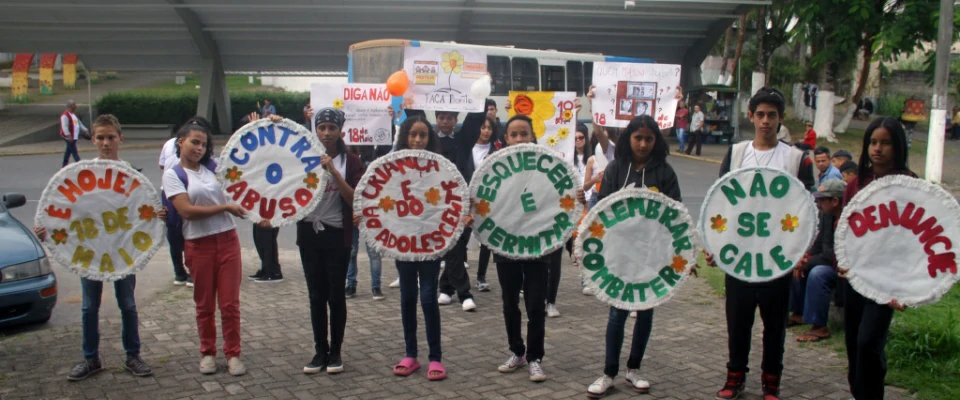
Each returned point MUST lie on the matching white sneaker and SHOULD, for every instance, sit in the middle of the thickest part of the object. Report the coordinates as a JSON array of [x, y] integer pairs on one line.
[[208, 365], [512, 364], [395, 284], [536, 372], [633, 314], [236, 367], [466, 265], [552, 311], [444, 299], [638, 383], [469, 305], [599, 387], [587, 291]]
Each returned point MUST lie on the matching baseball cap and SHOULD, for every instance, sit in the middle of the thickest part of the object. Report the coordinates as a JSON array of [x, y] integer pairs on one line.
[[848, 166], [833, 188], [843, 153]]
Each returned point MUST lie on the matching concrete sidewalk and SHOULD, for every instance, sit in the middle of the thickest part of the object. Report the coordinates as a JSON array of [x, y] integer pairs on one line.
[[685, 359]]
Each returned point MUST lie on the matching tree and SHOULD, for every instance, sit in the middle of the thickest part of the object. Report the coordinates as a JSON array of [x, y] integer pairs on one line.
[[727, 38], [773, 22]]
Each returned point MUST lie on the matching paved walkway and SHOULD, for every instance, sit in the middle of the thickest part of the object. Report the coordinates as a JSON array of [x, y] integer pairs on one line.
[[685, 357]]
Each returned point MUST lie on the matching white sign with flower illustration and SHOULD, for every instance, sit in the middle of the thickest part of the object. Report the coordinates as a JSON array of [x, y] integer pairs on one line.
[[554, 118], [637, 246], [273, 171], [101, 219], [365, 109], [441, 78], [758, 223]]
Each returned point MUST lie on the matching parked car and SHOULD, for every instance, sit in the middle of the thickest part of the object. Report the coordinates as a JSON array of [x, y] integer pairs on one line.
[[28, 287]]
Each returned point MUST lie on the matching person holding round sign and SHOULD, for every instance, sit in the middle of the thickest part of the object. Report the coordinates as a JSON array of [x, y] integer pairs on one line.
[[79, 207], [325, 237], [894, 245], [771, 173], [412, 205], [524, 239], [630, 226], [211, 246]]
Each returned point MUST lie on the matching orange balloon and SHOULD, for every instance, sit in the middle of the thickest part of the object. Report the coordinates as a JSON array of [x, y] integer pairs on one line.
[[398, 83]]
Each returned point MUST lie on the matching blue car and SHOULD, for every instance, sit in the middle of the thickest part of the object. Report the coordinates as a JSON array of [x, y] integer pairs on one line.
[[28, 287]]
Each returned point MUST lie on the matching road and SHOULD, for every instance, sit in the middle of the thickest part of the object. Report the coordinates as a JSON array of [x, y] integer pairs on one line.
[[28, 175]]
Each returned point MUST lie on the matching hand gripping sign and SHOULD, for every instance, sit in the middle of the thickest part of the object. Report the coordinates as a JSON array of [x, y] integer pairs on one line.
[[898, 237], [413, 203], [101, 219], [758, 223], [636, 247], [273, 171], [525, 201]]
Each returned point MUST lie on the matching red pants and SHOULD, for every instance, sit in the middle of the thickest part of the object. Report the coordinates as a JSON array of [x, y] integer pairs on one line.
[[215, 266]]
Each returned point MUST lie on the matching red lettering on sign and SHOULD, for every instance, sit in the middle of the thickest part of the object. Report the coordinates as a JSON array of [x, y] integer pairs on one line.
[[928, 231]]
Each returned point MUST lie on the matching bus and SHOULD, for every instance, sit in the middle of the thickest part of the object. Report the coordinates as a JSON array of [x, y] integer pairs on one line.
[[510, 68]]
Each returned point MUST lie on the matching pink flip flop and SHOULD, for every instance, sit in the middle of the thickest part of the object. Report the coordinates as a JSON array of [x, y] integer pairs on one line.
[[436, 366], [410, 364]]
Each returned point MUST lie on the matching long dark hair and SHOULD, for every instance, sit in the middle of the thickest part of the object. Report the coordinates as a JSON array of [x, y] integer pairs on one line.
[[198, 120], [403, 136], [524, 118], [495, 136], [865, 167], [587, 149], [660, 147], [185, 130]]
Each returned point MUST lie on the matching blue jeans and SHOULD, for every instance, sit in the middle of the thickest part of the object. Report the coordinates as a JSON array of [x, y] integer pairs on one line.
[[427, 273], [70, 150], [811, 296], [130, 331], [681, 136], [175, 240], [641, 335], [376, 263]]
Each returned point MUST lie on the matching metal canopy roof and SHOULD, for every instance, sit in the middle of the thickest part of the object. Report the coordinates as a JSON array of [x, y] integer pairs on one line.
[[314, 35]]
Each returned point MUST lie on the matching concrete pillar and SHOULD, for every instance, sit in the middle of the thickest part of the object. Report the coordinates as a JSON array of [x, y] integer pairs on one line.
[[214, 95]]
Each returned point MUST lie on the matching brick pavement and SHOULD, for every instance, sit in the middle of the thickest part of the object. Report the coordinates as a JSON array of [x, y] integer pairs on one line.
[[685, 358]]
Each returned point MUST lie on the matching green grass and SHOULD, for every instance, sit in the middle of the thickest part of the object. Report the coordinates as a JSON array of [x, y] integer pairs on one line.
[[234, 84], [852, 141], [923, 348]]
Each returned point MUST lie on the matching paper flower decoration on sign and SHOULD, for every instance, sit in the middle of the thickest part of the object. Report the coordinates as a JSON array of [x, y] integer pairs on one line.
[[635, 248], [899, 238], [101, 218], [525, 201], [772, 223], [273, 171], [412, 204]]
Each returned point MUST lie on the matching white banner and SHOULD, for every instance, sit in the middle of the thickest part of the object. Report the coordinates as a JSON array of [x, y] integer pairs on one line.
[[101, 219], [627, 90], [899, 237], [273, 171], [367, 120], [554, 118], [758, 223], [440, 79], [413, 203]]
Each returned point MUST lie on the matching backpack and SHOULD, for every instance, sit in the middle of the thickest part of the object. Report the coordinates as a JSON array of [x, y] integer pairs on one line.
[[174, 220]]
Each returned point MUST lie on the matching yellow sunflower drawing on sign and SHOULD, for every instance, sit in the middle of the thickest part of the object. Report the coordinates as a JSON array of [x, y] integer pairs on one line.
[[452, 63], [536, 105]]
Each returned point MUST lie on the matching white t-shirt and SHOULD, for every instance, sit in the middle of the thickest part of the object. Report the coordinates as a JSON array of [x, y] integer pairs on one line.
[[203, 190], [329, 210], [479, 152], [697, 121], [168, 156], [777, 157]]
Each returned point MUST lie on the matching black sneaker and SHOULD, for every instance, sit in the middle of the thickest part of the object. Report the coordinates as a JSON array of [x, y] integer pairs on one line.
[[269, 279], [350, 292], [334, 366], [377, 294], [137, 367], [256, 276], [482, 285], [84, 369], [316, 366]]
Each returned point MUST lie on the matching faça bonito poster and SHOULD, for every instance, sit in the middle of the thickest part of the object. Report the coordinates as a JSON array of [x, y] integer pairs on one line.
[[625, 91], [440, 79]]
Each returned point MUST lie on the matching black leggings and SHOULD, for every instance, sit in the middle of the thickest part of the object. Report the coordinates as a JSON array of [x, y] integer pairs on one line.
[[553, 276]]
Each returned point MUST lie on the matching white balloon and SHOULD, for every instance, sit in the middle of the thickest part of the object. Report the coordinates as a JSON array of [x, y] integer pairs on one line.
[[481, 87]]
